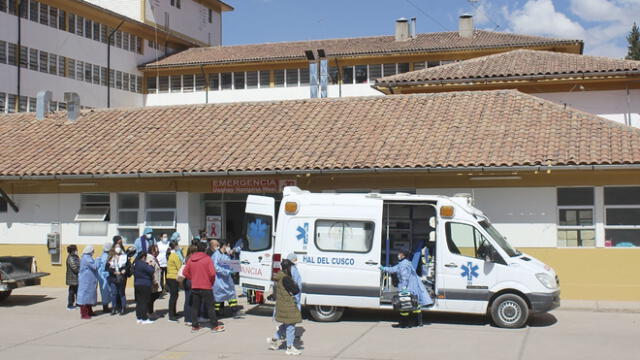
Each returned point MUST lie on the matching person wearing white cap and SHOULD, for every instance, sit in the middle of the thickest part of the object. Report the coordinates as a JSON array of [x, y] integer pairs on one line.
[[87, 283], [103, 275], [295, 274]]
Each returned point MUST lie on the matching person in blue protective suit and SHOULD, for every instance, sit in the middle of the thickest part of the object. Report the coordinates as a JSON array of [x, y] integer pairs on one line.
[[103, 275], [409, 281], [87, 283], [223, 288], [144, 242], [295, 275]]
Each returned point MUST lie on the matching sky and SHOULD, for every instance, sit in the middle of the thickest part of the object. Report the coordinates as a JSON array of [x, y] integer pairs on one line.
[[602, 24]]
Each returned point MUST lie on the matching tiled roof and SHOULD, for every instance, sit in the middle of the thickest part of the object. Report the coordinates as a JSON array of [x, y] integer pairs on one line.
[[515, 64], [376, 45], [456, 129]]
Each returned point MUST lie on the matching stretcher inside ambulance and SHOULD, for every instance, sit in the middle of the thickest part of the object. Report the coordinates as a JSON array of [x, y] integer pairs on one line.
[[341, 240]]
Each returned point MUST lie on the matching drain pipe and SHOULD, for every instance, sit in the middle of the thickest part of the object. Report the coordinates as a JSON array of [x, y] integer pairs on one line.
[[19, 51]]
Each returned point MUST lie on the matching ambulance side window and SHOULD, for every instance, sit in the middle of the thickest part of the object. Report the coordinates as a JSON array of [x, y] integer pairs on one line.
[[465, 240], [344, 236], [257, 232]]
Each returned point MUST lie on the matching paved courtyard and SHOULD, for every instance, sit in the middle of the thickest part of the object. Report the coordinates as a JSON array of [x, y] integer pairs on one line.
[[36, 325]]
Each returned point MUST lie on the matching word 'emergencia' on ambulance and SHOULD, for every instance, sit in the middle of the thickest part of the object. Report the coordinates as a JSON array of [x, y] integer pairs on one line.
[[342, 239]]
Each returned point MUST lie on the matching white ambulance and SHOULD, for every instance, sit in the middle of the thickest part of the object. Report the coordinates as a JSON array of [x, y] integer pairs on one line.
[[342, 239]]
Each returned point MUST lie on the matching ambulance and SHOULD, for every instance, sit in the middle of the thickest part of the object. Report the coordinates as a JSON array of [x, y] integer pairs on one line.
[[341, 240]]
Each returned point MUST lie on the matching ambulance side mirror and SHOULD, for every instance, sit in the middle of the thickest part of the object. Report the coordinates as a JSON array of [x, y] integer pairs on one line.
[[492, 255]]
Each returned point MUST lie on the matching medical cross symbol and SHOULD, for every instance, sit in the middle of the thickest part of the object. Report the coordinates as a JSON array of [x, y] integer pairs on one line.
[[303, 233], [469, 271]]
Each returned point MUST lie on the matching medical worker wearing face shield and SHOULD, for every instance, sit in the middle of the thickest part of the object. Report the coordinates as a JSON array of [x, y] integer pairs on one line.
[[145, 241], [408, 281]]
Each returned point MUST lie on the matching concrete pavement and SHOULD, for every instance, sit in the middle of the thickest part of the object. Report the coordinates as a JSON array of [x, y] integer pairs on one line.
[[36, 325]]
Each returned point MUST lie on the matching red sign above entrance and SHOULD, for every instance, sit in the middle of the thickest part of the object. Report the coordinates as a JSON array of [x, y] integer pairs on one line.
[[248, 186]]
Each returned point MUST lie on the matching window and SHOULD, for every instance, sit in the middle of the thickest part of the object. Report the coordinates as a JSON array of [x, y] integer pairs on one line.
[[44, 14], [71, 68], [226, 80], [33, 59], [333, 75], [344, 236], [252, 79], [238, 80], [23, 102], [61, 65], [79, 70], [128, 206], [403, 68], [87, 72], [132, 82], [125, 41], [103, 33], [139, 84], [119, 80], [72, 23], [163, 84], [187, 83], [361, 74], [61, 20], [53, 17], [125, 81], [389, 69], [419, 65], [11, 103], [304, 76], [257, 232], [278, 78], [96, 74], [33, 10], [199, 82], [119, 39], [3, 52], [622, 216], [24, 54], [93, 215], [347, 75], [2, 101], [466, 240], [88, 26], [96, 31], [44, 62], [32, 104], [3, 5], [13, 54], [265, 80], [210, 16], [79, 25], [214, 81], [292, 77], [176, 83], [160, 210], [152, 84], [112, 78], [103, 76], [575, 217], [53, 64], [178, 3]]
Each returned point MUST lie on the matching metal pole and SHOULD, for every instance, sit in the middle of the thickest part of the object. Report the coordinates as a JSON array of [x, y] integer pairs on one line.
[[19, 52], [109, 63]]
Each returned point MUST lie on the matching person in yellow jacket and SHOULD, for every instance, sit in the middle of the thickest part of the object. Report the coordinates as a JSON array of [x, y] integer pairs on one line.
[[174, 263]]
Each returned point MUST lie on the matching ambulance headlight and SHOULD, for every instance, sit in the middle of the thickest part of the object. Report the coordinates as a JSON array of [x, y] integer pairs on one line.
[[547, 280]]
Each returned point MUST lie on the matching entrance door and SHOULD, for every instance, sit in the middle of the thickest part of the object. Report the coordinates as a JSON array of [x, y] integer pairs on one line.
[[465, 275], [256, 256]]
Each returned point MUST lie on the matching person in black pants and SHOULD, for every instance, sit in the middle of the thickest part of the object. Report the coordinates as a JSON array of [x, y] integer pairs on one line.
[[73, 267], [199, 269], [143, 274]]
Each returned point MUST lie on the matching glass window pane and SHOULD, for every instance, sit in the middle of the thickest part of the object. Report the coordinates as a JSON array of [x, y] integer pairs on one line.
[[252, 79], [199, 82], [347, 75], [575, 196], [375, 71], [93, 228], [333, 75], [53, 17], [361, 74], [92, 214], [44, 14], [389, 69], [214, 81], [176, 83], [403, 68], [161, 200], [128, 218], [460, 239], [419, 65], [33, 59], [129, 235], [265, 80], [257, 232], [292, 77], [622, 237], [278, 78], [87, 28], [576, 217], [160, 218], [72, 23], [627, 216], [346, 236], [238, 80], [163, 84], [3, 52], [71, 68], [95, 199], [152, 84], [128, 201], [33, 9], [87, 72], [226, 81], [628, 195], [304, 76], [53, 64], [187, 83]]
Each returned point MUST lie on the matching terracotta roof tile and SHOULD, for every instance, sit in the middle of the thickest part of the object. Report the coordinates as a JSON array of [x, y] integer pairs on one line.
[[513, 64], [375, 45], [457, 129]]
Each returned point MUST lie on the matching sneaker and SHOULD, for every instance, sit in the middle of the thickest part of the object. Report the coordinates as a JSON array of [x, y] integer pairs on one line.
[[187, 323], [173, 320], [71, 308], [195, 329], [274, 344], [146, 322], [218, 329], [139, 321], [291, 350]]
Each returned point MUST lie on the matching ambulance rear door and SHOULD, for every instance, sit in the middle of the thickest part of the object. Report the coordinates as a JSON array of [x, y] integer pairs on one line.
[[256, 258]]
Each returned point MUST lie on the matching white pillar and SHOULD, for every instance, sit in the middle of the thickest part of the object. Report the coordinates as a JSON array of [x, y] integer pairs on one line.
[[598, 215], [182, 217]]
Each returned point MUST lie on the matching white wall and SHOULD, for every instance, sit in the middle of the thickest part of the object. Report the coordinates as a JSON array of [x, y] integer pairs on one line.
[[268, 94], [191, 19], [611, 104], [526, 216], [129, 8]]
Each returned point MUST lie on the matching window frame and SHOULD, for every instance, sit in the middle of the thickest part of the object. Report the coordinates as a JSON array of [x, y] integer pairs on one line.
[[617, 206], [476, 246], [315, 233], [591, 227], [148, 209]]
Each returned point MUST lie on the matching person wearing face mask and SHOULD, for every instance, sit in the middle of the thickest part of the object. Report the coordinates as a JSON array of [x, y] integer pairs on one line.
[[103, 274], [87, 283], [73, 268], [173, 267], [119, 268], [223, 288], [408, 281], [163, 250], [145, 241], [175, 237]]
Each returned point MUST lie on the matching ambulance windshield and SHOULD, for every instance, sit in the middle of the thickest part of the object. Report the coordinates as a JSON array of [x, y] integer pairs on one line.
[[499, 239]]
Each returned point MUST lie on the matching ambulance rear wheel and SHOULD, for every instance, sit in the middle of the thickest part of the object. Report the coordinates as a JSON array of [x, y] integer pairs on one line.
[[324, 313], [509, 311], [4, 294]]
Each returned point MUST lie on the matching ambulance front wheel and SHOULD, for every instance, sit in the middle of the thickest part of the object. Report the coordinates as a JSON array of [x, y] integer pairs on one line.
[[324, 313], [509, 311]]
